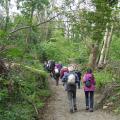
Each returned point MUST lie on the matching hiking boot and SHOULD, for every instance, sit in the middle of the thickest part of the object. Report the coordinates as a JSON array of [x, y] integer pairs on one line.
[[71, 110], [75, 108], [78, 87], [91, 109], [87, 108]]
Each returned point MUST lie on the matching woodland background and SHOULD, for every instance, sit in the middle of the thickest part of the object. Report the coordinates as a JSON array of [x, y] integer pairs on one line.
[[84, 31]]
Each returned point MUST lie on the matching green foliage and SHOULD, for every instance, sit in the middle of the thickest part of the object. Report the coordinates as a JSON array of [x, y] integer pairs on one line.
[[17, 112], [117, 110], [14, 52], [50, 50], [114, 52], [27, 47], [2, 34], [29, 86], [81, 54], [59, 49], [29, 7], [102, 78], [45, 93]]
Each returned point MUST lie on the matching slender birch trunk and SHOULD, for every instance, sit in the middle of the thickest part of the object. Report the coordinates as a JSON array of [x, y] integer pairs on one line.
[[7, 14], [105, 48], [108, 44], [100, 63]]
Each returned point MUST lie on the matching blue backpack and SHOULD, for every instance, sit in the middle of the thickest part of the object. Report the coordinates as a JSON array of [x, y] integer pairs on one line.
[[88, 81]]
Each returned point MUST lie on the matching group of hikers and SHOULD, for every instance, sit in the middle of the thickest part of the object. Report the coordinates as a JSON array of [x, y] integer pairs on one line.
[[71, 78]]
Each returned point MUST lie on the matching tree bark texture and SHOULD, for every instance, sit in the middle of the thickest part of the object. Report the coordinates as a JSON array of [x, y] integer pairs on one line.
[[105, 49], [93, 56]]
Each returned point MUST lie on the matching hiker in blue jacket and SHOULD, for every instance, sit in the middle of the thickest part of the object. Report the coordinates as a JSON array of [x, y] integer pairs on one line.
[[71, 79]]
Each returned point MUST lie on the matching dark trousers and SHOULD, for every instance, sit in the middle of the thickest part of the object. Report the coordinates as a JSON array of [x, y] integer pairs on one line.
[[79, 84], [57, 81], [72, 99], [56, 77], [89, 97]]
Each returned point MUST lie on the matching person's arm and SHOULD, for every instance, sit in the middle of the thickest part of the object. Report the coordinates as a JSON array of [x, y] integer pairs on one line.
[[64, 78], [80, 75], [83, 79], [77, 78], [61, 74], [94, 81]]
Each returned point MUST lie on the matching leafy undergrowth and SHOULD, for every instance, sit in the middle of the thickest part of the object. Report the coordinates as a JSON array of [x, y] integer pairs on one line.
[[23, 93], [102, 78], [110, 90], [17, 112], [111, 97], [24, 110], [46, 100]]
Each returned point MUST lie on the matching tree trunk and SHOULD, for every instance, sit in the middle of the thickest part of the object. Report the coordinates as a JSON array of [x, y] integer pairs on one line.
[[108, 44], [105, 48], [7, 14], [101, 59], [31, 21], [93, 56]]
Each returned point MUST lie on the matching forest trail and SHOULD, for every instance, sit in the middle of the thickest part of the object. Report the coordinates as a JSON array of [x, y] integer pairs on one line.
[[58, 108]]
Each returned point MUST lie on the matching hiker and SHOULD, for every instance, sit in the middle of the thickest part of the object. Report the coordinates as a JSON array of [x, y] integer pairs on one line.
[[89, 88], [59, 64], [56, 73], [48, 66], [71, 79], [51, 65], [79, 74], [64, 71], [45, 65]]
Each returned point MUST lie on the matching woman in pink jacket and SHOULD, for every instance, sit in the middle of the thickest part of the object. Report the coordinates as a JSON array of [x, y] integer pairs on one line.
[[89, 88]]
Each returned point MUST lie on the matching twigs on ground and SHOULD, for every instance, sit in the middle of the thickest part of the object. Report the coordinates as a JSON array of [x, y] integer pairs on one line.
[[108, 91]]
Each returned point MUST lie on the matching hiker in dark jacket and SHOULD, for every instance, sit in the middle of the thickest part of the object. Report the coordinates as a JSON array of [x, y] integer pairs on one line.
[[71, 79], [79, 74], [45, 65], [56, 75], [51, 65]]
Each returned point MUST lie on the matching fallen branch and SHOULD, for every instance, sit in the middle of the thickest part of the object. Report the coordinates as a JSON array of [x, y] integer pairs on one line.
[[108, 90]]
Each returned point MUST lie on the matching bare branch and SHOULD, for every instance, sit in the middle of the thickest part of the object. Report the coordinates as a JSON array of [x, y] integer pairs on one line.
[[26, 27]]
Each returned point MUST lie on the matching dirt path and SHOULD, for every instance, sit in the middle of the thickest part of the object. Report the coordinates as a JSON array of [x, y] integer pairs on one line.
[[58, 107]]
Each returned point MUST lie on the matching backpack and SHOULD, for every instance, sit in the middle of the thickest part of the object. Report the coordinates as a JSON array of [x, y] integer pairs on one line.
[[78, 74], [51, 65], [88, 81], [56, 73], [48, 66], [71, 79], [56, 70]]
